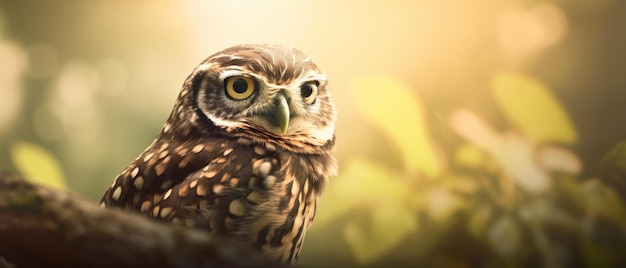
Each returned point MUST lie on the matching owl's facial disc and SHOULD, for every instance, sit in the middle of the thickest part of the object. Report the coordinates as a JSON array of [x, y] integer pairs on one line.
[[266, 92]]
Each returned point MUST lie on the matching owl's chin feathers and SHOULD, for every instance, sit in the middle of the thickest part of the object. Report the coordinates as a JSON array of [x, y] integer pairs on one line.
[[300, 136]]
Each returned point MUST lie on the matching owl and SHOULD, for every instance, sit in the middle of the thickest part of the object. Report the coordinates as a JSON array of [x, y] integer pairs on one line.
[[245, 153]]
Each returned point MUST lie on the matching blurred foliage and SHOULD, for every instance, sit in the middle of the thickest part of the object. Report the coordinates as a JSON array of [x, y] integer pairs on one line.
[[513, 197], [469, 133]]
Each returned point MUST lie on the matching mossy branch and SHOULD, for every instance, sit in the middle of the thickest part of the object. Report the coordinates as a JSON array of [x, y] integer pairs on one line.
[[44, 227]]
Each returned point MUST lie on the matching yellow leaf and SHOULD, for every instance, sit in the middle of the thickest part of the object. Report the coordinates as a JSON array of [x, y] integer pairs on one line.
[[532, 108], [470, 155], [37, 165], [390, 105]]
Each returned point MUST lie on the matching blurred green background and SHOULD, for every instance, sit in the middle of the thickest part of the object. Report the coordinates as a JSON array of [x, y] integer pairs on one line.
[[470, 132]]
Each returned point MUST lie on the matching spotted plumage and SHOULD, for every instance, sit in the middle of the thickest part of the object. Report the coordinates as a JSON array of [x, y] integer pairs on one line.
[[245, 153]]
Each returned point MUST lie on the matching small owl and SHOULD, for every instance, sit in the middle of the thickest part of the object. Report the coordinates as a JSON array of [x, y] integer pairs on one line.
[[245, 153]]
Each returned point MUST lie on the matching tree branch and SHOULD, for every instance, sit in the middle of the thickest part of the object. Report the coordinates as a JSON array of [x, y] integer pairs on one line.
[[41, 227]]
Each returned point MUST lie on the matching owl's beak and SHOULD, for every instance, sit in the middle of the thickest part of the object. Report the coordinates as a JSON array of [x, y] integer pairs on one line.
[[280, 114]]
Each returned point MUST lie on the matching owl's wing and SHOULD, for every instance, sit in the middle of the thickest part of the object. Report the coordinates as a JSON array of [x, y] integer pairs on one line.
[[251, 192], [212, 185], [226, 193], [160, 167]]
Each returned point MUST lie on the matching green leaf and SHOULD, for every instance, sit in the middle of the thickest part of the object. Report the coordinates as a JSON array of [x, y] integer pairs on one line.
[[388, 226], [504, 236], [380, 193], [360, 183], [600, 200], [37, 165], [531, 107], [476, 226], [613, 168], [390, 105]]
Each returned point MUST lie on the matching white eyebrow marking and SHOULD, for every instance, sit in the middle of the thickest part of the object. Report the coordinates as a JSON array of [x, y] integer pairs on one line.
[[228, 56], [235, 70]]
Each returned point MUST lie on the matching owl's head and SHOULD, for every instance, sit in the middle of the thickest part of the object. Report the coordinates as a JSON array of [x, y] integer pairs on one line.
[[264, 92]]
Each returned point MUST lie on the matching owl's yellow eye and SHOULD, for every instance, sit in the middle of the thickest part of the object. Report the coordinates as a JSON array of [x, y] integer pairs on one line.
[[240, 87], [308, 91]]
